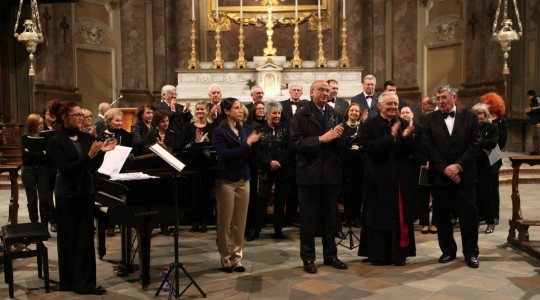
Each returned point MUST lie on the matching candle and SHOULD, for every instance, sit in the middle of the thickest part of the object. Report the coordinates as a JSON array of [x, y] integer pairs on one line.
[[193, 9], [217, 9], [344, 8], [296, 9], [241, 9], [319, 8]]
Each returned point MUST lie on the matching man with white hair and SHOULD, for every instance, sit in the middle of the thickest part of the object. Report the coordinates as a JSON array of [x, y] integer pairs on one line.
[[99, 122], [178, 114], [215, 95]]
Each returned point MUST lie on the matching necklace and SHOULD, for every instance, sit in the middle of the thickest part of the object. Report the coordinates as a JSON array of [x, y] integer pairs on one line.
[[353, 126]]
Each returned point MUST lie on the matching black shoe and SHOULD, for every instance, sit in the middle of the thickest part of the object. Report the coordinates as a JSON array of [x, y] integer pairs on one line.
[[490, 228], [425, 231], [279, 236], [53, 227], [252, 235], [110, 232], [240, 269], [336, 263], [194, 228], [203, 229], [340, 235], [309, 267], [227, 269], [400, 263], [472, 262], [446, 258], [98, 290]]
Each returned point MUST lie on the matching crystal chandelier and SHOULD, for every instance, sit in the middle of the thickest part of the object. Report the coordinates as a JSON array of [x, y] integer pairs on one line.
[[32, 35], [506, 34]]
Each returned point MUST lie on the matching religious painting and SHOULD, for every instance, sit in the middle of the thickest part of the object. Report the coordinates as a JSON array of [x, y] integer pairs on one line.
[[260, 6]]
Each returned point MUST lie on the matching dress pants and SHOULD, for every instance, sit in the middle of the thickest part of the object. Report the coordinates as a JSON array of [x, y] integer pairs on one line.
[[36, 183], [265, 187], [232, 203], [465, 201], [314, 199], [76, 253]]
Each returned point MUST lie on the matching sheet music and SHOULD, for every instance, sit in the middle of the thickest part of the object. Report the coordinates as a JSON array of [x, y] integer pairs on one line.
[[131, 176], [168, 157], [114, 160]]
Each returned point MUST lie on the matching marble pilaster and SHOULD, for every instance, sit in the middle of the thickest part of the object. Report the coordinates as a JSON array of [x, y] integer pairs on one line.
[[133, 27]]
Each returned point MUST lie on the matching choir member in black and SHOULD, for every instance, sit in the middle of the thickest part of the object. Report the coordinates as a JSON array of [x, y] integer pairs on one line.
[[354, 165], [389, 207], [49, 130], [273, 161], [233, 146], [497, 109], [35, 173], [489, 135], [87, 125], [76, 155], [258, 119], [162, 134], [142, 128], [419, 158], [113, 122], [199, 134]]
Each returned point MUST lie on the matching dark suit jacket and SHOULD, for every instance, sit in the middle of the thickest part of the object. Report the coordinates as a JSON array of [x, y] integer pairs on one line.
[[444, 149], [233, 153], [176, 119], [316, 163], [361, 99], [286, 113], [99, 122], [340, 106]]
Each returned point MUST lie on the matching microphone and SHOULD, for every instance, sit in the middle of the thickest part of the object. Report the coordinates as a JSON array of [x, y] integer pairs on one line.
[[116, 100]]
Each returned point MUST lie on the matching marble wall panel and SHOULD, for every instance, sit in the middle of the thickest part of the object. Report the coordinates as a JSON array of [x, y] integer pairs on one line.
[[133, 27], [404, 62]]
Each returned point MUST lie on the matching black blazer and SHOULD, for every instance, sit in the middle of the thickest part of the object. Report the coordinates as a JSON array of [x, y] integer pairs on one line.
[[178, 118], [286, 112], [316, 163], [340, 106], [139, 131], [361, 100], [99, 122], [444, 149]]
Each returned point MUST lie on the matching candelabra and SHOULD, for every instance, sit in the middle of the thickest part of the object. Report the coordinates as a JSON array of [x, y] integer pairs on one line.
[[296, 62], [506, 35], [269, 50], [32, 35], [321, 61], [241, 62], [193, 63], [218, 61], [344, 60]]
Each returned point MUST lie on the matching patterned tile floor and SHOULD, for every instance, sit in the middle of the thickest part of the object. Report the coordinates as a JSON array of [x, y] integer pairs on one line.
[[274, 268]]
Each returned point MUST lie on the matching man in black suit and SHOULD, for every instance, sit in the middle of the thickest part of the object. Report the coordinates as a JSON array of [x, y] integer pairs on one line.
[[316, 140], [293, 104], [215, 95], [368, 98], [99, 122], [533, 111], [338, 104], [390, 86], [178, 114], [257, 95], [451, 138]]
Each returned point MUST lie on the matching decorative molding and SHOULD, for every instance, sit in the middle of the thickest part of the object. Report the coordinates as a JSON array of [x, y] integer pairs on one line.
[[446, 31], [92, 34]]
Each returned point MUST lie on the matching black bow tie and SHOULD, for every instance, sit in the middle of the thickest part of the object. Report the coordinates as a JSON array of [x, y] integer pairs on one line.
[[369, 97], [331, 100], [446, 114], [293, 103]]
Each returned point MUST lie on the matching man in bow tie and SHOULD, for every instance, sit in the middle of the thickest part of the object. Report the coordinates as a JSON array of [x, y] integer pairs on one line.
[[338, 104], [451, 138], [293, 104], [215, 95], [368, 98]]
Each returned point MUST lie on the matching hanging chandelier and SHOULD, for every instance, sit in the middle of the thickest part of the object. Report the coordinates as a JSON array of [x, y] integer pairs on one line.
[[32, 34], [506, 34]]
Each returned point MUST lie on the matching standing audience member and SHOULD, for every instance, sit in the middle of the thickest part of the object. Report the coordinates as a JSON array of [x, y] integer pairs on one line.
[[368, 98], [76, 155], [419, 158], [354, 165], [87, 122], [35, 174], [233, 146], [162, 134], [49, 130], [390, 86], [429, 105], [273, 156], [199, 134], [142, 128], [533, 111], [113, 121], [257, 118], [215, 95], [178, 114], [316, 139], [489, 134], [340, 105], [390, 203], [451, 139], [497, 109], [99, 122], [293, 104]]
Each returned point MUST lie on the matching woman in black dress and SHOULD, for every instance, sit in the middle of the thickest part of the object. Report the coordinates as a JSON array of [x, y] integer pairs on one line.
[[142, 128], [75, 154]]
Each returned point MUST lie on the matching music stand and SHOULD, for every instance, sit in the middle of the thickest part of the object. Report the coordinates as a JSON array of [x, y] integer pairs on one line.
[[349, 234], [176, 266]]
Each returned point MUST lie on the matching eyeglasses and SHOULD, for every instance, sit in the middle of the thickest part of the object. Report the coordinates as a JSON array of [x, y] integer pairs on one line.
[[78, 115]]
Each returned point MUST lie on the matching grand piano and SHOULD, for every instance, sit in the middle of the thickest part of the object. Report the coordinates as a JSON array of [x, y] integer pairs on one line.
[[143, 204]]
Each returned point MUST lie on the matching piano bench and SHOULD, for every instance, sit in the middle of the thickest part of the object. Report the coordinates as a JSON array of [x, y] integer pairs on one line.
[[25, 233]]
